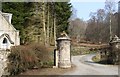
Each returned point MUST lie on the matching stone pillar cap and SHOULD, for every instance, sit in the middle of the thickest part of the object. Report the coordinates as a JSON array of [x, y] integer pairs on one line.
[[63, 38], [115, 39]]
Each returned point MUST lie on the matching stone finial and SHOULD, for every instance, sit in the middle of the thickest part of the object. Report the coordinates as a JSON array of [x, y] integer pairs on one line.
[[115, 39], [63, 34]]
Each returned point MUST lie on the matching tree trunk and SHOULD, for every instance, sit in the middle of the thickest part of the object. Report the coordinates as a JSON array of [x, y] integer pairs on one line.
[[44, 27], [48, 26], [55, 31]]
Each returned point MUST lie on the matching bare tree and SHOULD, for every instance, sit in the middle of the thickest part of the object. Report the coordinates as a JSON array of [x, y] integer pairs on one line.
[[54, 24], [110, 8], [77, 29]]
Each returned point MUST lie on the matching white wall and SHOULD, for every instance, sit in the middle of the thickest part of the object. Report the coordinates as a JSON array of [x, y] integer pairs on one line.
[[7, 27]]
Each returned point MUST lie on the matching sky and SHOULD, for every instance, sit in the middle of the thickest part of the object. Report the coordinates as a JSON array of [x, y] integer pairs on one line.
[[85, 7]]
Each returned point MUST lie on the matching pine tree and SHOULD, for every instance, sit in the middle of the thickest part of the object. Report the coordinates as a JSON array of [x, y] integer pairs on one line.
[[39, 21]]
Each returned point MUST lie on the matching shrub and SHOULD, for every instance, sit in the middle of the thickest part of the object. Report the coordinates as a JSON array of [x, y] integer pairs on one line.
[[27, 57]]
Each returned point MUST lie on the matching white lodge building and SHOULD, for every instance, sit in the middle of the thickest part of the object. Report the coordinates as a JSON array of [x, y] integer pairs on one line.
[[9, 36]]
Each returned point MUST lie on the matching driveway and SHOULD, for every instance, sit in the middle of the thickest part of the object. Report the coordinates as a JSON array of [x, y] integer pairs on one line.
[[85, 66]]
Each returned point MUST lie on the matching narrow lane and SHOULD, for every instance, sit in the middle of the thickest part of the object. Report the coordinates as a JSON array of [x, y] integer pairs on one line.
[[85, 66]]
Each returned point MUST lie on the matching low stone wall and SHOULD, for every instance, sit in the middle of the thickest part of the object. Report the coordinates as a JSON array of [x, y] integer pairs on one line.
[[3, 62]]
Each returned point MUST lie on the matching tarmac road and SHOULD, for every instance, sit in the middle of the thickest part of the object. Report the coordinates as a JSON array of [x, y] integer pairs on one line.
[[85, 66]]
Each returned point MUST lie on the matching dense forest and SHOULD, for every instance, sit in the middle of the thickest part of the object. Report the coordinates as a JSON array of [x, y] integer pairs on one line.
[[44, 21], [39, 22]]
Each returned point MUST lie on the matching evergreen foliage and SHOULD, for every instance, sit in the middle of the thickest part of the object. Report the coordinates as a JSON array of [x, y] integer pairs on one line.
[[39, 21]]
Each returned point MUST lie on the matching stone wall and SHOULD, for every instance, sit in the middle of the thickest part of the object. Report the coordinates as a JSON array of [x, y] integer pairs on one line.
[[3, 62]]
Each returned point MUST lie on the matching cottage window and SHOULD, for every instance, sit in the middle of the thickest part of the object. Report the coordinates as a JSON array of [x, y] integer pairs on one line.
[[4, 41]]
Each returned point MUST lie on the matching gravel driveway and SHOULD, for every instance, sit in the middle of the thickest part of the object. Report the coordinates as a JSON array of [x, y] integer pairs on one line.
[[85, 66]]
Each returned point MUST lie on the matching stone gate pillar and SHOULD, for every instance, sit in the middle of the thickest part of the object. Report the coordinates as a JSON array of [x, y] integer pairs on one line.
[[63, 47], [115, 45]]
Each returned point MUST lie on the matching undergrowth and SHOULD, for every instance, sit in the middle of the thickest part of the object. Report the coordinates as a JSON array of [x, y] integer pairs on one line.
[[27, 57]]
